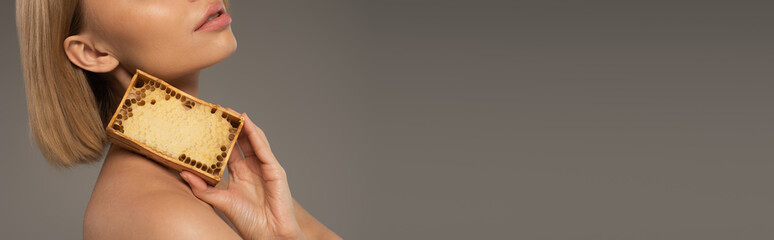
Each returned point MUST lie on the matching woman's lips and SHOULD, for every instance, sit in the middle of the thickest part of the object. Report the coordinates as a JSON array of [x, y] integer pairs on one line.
[[217, 23]]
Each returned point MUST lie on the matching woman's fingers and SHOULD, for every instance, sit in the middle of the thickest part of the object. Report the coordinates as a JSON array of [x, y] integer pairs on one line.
[[270, 168], [259, 142], [203, 191], [234, 159], [244, 143], [247, 144], [254, 145]]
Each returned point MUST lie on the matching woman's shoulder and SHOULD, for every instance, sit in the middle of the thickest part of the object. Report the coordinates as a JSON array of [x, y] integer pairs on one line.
[[135, 197]]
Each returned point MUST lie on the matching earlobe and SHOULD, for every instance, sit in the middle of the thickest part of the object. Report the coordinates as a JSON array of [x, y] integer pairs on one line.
[[83, 54]]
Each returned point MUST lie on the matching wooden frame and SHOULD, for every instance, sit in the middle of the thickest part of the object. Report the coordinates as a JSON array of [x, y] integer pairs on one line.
[[115, 130]]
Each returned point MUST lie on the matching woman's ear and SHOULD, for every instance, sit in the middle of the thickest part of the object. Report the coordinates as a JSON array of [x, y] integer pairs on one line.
[[81, 52]]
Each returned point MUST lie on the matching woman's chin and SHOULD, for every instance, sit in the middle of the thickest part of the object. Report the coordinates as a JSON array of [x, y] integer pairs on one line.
[[219, 58], [182, 63], [222, 49]]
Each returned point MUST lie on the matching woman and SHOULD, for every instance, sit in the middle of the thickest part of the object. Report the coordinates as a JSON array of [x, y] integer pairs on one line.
[[78, 57]]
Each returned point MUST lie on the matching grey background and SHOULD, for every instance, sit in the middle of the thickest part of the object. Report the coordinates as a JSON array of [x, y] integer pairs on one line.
[[478, 119]]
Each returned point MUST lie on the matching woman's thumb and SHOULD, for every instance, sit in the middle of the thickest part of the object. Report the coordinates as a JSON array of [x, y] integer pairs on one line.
[[201, 190]]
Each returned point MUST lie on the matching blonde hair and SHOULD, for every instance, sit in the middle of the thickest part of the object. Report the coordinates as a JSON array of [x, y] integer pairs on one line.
[[68, 107]]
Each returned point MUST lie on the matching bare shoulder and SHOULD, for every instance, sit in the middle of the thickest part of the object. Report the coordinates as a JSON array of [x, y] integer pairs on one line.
[[164, 216], [135, 198]]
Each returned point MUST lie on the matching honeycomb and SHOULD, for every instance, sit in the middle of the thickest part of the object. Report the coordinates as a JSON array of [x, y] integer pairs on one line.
[[175, 129]]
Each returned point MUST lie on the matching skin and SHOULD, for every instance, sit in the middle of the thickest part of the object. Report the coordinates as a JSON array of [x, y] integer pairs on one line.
[[136, 198]]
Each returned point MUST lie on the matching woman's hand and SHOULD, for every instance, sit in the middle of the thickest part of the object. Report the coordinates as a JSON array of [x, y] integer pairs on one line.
[[257, 200]]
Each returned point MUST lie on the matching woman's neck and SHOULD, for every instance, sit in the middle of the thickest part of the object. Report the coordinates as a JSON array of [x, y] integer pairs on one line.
[[187, 83]]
